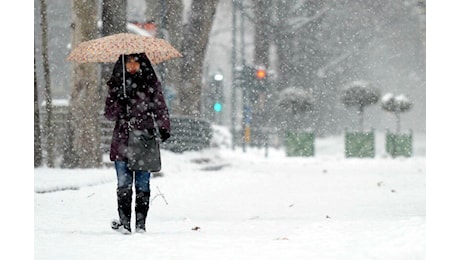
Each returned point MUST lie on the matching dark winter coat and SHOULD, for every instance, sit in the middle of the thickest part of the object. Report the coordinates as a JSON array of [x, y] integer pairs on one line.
[[145, 103]]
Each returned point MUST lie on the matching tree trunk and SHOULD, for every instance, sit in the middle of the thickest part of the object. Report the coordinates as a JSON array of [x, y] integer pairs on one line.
[[196, 37], [84, 103], [113, 22], [49, 129], [167, 15], [183, 75], [398, 122], [153, 10], [38, 158], [282, 42], [113, 17], [361, 118]]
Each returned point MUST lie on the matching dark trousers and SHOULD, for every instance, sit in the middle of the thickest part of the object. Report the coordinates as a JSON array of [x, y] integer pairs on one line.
[[125, 179]]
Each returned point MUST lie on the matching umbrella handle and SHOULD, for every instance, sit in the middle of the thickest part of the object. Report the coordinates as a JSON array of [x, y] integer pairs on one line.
[[123, 62], [124, 82]]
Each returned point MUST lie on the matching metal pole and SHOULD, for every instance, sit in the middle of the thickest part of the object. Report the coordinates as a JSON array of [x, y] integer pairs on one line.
[[124, 77], [161, 35], [243, 62], [233, 88]]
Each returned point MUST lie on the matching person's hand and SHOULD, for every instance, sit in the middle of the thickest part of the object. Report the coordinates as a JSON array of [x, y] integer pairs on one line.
[[164, 134]]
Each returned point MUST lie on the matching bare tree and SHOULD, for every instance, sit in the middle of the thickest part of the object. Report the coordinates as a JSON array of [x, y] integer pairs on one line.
[[84, 102], [196, 31], [38, 158], [50, 140], [184, 75]]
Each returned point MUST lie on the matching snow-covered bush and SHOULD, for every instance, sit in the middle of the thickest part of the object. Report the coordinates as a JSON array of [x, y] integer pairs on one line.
[[295, 100], [360, 93], [293, 105], [396, 105]]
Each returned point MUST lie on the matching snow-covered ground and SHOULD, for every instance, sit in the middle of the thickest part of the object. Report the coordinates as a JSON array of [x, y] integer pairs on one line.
[[226, 204]]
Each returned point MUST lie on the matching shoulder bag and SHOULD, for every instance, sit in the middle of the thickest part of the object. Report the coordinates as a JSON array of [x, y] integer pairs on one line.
[[143, 151]]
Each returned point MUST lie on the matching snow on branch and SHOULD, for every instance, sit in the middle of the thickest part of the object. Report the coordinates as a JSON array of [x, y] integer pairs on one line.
[[321, 73], [396, 104], [298, 22], [360, 93]]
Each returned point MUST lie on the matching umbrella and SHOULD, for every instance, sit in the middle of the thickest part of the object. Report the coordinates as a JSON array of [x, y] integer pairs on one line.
[[109, 48]]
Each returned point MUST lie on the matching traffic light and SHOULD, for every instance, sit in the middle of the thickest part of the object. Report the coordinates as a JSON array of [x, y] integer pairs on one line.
[[254, 78], [217, 106], [260, 78], [261, 74], [217, 90], [214, 98]]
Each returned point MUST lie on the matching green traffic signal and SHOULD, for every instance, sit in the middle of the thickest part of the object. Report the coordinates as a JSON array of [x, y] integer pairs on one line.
[[217, 107]]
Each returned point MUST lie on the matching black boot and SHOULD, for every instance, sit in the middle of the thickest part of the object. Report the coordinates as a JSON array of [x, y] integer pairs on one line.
[[125, 197], [142, 207]]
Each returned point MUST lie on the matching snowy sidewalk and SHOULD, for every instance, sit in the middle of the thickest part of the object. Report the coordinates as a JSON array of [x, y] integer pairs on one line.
[[225, 204]]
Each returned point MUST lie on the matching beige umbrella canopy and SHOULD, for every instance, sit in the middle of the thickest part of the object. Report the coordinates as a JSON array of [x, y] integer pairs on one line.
[[109, 48]]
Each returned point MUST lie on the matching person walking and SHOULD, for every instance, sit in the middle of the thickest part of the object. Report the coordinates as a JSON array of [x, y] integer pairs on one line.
[[138, 103]]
